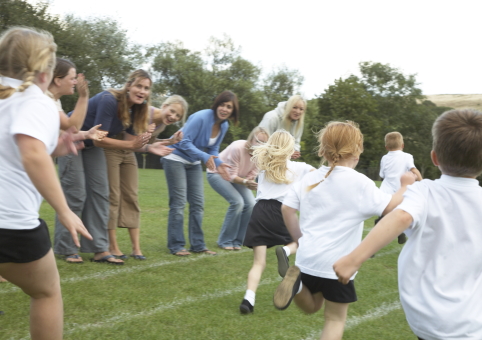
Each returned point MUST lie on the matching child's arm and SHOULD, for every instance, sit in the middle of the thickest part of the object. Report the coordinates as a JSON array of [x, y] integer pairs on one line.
[[397, 198], [382, 234], [291, 221], [416, 173]]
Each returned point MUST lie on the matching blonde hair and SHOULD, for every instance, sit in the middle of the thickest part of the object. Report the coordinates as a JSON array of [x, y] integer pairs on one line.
[[338, 140], [286, 121], [141, 111], [25, 52], [393, 140], [176, 99], [457, 142], [273, 156], [253, 135]]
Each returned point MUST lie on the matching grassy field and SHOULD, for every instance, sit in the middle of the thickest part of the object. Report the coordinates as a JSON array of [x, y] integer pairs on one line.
[[197, 297]]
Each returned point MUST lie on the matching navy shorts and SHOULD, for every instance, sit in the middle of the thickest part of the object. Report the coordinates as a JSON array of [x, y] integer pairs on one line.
[[332, 290], [25, 245]]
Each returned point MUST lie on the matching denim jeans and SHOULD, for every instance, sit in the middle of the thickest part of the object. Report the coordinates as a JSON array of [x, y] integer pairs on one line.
[[241, 203], [185, 183]]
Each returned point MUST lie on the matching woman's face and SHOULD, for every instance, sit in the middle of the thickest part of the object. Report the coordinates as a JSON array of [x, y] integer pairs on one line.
[[297, 111], [67, 84], [225, 110], [259, 139], [171, 113], [138, 91]]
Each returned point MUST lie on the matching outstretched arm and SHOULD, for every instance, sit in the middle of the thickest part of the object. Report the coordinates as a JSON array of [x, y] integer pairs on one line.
[[417, 174], [381, 235], [40, 168], [291, 221], [397, 198]]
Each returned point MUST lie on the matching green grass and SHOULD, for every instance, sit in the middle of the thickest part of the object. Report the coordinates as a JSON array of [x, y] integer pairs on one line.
[[197, 297]]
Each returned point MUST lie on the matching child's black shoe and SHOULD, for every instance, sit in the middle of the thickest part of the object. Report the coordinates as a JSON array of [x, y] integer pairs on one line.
[[288, 288], [245, 307]]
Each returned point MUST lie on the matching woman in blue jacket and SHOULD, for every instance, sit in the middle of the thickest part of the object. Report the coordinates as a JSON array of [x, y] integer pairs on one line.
[[203, 133]]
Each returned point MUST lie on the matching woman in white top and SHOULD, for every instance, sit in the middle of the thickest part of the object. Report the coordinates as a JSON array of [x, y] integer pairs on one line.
[[333, 203], [266, 227], [64, 82], [289, 115], [29, 128]]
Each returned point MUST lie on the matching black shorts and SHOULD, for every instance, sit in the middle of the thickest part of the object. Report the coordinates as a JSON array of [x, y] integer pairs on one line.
[[26, 245], [332, 290]]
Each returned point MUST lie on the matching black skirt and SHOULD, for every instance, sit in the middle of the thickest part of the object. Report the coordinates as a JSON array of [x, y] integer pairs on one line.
[[25, 245], [266, 226]]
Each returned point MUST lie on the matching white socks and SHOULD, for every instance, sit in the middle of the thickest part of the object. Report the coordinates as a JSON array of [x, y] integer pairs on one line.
[[250, 296], [287, 250], [301, 288]]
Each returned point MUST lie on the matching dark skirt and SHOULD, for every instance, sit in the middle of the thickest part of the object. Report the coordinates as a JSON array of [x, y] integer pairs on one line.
[[266, 226], [25, 245]]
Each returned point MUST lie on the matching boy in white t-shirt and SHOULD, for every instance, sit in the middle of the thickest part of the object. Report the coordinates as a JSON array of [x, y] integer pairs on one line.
[[393, 165], [440, 267], [333, 202]]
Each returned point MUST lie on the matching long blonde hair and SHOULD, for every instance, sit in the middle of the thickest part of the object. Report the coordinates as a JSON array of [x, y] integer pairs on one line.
[[286, 121], [25, 52], [273, 156], [141, 111], [338, 140]]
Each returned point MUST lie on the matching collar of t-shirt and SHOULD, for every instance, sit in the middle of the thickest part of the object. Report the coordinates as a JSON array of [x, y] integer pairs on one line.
[[458, 181]]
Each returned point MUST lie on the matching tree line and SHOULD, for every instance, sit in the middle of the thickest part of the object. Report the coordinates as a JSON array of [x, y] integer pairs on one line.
[[381, 100]]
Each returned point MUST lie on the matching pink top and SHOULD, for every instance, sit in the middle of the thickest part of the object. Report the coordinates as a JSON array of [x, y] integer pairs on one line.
[[236, 155]]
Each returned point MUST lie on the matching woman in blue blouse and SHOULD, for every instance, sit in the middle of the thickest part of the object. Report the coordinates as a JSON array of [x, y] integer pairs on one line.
[[203, 134]]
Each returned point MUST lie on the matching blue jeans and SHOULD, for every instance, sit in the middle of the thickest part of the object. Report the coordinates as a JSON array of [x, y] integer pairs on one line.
[[185, 183], [241, 203]]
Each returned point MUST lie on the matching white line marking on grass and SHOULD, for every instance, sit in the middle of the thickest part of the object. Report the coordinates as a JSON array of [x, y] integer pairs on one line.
[[122, 317], [125, 269], [353, 321]]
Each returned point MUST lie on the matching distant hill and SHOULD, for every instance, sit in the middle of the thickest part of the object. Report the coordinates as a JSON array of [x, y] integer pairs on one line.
[[457, 101]]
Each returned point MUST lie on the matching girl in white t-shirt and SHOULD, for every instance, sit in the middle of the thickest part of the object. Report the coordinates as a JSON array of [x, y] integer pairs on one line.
[[266, 228], [29, 135], [333, 203]]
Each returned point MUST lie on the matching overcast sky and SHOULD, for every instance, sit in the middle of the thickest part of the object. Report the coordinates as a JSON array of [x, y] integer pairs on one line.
[[325, 40]]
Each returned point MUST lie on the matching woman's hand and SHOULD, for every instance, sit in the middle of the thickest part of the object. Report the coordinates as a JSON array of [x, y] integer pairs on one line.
[[210, 164], [159, 149], [223, 170], [96, 134], [82, 86], [151, 128], [177, 137], [140, 140], [296, 155], [251, 184]]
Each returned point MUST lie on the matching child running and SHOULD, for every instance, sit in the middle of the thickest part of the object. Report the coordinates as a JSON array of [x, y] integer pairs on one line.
[[393, 165], [266, 227], [440, 267], [333, 201], [29, 135]]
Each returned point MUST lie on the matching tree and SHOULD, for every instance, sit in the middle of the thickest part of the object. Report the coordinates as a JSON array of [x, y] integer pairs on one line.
[[280, 84]]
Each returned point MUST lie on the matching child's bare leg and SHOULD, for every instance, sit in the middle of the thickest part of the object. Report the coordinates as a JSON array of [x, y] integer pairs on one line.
[[40, 280], [259, 264], [307, 302], [335, 318], [293, 246]]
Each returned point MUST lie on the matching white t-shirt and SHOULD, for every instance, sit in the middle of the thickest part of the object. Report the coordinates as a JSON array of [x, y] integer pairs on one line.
[[392, 166], [29, 113], [332, 215], [440, 266], [272, 191]]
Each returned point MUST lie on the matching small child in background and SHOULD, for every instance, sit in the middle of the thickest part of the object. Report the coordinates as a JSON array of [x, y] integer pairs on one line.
[[266, 227], [440, 267], [393, 165], [333, 201]]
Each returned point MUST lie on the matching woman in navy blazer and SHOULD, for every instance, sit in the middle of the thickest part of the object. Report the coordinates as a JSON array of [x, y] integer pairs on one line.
[[203, 134]]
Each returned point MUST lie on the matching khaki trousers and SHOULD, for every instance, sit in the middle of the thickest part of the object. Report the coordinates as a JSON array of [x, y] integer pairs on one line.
[[124, 211]]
